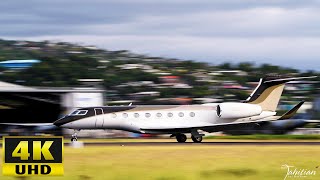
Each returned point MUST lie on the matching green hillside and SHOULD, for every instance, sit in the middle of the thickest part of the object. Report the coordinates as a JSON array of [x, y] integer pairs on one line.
[[140, 78]]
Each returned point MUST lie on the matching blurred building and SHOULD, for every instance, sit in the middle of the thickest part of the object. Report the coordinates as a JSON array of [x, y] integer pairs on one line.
[[170, 79], [19, 64], [21, 104]]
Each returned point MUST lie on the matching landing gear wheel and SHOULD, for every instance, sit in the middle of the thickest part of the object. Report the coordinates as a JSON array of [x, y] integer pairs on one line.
[[74, 136], [197, 139], [181, 138]]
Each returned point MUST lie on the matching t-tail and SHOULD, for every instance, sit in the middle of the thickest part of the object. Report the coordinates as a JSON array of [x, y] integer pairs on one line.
[[268, 92]]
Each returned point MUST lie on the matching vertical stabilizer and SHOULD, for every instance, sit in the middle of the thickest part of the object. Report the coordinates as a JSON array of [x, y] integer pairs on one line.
[[267, 94]]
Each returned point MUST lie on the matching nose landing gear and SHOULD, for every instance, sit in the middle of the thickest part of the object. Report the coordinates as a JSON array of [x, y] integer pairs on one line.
[[74, 135]]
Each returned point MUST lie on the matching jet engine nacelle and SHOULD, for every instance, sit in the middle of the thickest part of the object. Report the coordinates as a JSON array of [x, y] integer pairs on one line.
[[238, 110]]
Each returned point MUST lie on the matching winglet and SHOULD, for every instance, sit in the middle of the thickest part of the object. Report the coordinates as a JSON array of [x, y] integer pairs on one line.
[[289, 114]]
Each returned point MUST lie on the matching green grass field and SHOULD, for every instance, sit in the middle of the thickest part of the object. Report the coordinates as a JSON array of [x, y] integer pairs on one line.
[[185, 162]]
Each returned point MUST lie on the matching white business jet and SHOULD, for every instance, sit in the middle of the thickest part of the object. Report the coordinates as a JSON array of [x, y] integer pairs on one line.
[[178, 120]]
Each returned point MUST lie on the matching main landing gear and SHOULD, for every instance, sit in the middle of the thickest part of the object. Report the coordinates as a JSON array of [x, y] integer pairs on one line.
[[181, 138], [195, 136], [74, 136], [196, 139]]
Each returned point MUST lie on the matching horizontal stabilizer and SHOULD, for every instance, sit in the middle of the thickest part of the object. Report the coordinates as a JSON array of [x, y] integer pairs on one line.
[[289, 114]]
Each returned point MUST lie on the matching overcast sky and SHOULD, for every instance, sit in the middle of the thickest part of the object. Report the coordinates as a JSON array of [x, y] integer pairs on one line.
[[282, 32]]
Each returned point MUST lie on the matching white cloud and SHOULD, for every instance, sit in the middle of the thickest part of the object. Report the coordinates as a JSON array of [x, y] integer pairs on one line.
[[301, 52], [262, 22]]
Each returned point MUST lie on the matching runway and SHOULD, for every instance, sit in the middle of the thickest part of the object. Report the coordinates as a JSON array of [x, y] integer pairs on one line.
[[219, 143], [237, 143]]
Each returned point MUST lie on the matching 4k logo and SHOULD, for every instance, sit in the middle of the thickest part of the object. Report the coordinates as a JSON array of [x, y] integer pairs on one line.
[[27, 156]]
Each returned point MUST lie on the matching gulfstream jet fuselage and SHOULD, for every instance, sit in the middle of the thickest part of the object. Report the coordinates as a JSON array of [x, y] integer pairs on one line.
[[181, 119]]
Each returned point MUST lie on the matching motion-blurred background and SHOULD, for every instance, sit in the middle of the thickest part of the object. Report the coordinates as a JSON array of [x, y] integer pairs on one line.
[[42, 81]]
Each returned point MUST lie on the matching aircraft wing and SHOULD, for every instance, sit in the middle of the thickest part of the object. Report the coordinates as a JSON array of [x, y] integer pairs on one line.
[[213, 127], [28, 124]]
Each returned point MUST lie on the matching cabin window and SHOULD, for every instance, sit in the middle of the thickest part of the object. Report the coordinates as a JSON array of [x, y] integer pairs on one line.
[[159, 114], [181, 114], [148, 115], [125, 115], [192, 114], [170, 114], [136, 115], [114, 115]]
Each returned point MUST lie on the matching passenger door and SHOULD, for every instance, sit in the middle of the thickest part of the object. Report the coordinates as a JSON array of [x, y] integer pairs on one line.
[[99, 117]]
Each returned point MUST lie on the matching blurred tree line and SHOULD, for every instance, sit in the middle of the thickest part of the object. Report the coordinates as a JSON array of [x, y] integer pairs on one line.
[[62, 64]]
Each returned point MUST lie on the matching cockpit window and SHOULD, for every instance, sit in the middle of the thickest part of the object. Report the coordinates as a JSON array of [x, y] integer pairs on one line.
[[82, 112], [74, 113], [79, 113]]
